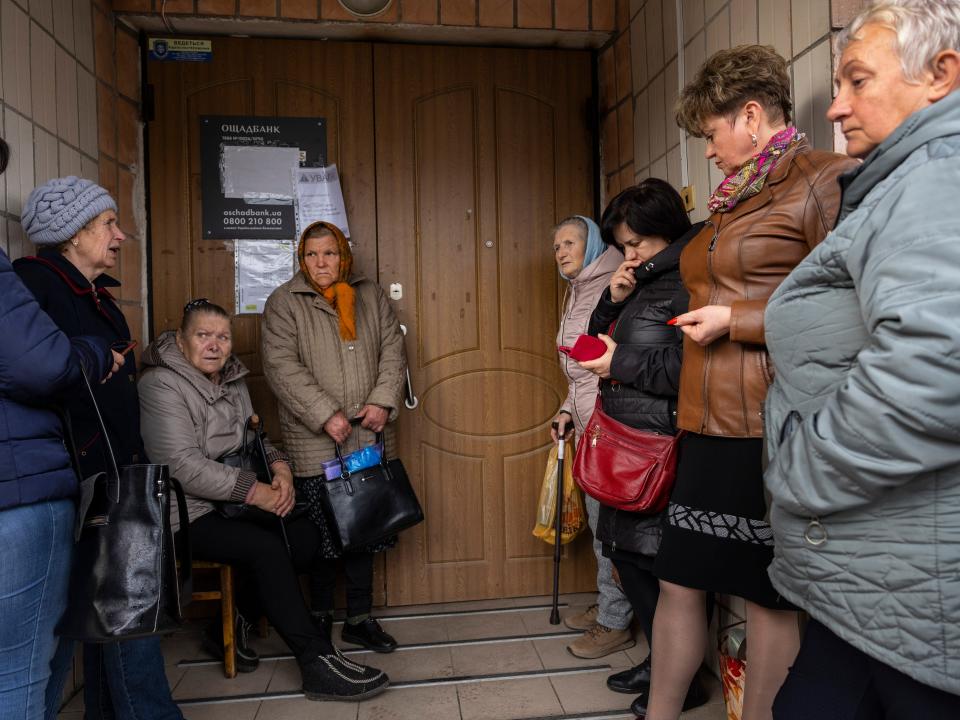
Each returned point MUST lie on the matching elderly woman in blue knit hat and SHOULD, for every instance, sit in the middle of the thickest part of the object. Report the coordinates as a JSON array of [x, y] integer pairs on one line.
[[586, 263], [73, 223]]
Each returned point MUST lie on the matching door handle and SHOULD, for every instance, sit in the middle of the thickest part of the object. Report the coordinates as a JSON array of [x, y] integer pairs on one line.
[[411, 401]]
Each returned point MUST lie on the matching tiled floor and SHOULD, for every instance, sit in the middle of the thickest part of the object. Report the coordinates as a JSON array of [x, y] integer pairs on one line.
[[469, 661]]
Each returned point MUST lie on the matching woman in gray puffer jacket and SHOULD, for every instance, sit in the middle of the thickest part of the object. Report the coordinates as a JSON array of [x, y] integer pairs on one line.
[[194, 407], [863, 419]]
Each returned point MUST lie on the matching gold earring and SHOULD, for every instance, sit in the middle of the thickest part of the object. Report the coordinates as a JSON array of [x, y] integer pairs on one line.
[[753, 139], [76, 243]]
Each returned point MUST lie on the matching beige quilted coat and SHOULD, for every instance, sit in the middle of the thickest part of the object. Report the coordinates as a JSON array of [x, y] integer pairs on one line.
[[314, 373]]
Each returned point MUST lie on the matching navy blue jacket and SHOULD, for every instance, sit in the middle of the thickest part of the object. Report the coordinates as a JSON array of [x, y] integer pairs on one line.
[[81, 309], [38, 365]]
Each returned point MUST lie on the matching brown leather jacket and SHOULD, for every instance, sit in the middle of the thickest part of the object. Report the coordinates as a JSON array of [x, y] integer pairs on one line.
[[738, 259]]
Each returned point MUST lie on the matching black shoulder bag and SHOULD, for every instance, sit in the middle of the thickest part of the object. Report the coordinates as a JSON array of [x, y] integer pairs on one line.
[[366, 506], [123, 582]]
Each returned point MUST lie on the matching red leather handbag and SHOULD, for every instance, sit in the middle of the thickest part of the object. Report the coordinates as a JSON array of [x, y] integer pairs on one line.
[[625, 468]]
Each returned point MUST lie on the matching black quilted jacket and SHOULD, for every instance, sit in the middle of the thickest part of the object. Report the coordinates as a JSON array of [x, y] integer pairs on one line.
[[644, 374]]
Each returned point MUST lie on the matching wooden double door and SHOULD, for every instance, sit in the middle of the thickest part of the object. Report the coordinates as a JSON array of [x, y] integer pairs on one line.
[[455, 164]]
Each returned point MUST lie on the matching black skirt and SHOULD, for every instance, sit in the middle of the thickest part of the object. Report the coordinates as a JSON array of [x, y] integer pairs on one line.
[[715, 537]]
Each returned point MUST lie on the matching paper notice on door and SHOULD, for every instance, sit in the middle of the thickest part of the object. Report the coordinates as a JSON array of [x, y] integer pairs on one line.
[[258, 174], [261, 266], [318, 196]]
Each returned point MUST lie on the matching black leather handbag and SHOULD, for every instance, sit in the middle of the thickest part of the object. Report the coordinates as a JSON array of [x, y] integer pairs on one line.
[[366, 506], [252, 456], [124, 582]]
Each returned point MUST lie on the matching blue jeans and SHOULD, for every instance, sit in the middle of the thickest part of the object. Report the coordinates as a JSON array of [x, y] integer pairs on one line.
[[121, 680], [36, 542]]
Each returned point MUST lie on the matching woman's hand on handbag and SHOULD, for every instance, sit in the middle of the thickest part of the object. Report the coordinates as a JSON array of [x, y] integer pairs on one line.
[[706, 324], [265, 497], [562, 426], [374, 417], [601, 366], [283, 483], [337, 427]]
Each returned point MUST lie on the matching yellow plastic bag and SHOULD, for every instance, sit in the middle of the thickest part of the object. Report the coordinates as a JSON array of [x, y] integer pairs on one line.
[[574, 512]]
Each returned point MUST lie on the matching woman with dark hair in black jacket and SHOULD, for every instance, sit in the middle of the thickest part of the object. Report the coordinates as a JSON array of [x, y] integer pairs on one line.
[[640, 379]]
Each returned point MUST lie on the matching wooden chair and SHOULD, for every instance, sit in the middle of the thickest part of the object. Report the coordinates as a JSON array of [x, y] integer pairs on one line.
[[225, 596]]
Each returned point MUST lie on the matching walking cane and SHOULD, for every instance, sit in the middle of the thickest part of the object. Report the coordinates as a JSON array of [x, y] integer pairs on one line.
[[558, 529], [257, 428]]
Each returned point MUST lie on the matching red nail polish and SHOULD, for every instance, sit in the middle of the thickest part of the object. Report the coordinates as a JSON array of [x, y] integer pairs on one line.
[[672, 321]]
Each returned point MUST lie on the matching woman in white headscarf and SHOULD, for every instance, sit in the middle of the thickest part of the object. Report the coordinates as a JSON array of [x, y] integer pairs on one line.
[[587, 264]]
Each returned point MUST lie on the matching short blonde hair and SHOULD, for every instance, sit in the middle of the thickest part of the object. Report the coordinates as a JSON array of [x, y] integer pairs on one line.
[[728, 80]]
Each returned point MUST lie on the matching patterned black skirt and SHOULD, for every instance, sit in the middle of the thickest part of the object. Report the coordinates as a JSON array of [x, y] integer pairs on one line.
[[308, 488], [715, 537]]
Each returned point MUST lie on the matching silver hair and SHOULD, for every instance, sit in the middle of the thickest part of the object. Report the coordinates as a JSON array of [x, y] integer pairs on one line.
[[572, 220], [924, 28]]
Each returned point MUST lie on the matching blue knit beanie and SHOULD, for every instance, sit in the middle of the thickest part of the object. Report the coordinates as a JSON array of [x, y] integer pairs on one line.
[[58, 209]]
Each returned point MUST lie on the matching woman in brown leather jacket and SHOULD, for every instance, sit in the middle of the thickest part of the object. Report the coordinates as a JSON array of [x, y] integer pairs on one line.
[[779, 199]]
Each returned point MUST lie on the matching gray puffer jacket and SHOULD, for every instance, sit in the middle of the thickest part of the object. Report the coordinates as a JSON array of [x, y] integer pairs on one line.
[[863, 419], [188, 421]]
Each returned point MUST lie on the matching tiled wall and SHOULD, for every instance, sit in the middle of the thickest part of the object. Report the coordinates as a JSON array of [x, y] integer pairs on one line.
[[47, 102], [640, 77], [532, 14], [63, 64], [120, 152]]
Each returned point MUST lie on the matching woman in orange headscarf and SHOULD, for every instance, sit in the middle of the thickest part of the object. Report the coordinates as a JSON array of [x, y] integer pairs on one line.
[[332, 353]]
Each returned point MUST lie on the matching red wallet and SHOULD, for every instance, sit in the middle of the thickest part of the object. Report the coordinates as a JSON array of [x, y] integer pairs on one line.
[[587, 347]]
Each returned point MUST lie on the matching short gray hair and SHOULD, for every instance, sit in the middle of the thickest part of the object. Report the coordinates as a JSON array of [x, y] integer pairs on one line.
[[924, 28]]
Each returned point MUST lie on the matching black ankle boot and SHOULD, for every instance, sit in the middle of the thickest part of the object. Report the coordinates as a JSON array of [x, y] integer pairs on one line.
[[370, 635], [247, 659], [331, 676], [633, 681]]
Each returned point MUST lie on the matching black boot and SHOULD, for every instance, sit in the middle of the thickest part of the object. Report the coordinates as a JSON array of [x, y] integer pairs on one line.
[[369, 634], [331, 676], [697, 695], [633, 681], [247, 659]]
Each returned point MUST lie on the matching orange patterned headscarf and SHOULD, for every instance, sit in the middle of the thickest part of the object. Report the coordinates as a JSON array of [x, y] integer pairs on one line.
[[340, 294]]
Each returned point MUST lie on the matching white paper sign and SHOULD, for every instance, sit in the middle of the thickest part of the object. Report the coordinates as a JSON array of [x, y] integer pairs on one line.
[[256, 173], [261, 266], [318, 196]]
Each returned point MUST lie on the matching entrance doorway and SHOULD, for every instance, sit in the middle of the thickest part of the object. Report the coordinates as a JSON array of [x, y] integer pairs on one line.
[[455, 163]]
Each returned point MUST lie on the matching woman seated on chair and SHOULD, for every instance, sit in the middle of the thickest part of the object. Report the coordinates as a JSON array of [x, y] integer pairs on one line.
[[194, 408]]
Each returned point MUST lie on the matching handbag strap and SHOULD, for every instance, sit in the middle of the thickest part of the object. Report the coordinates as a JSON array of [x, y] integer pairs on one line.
[[103, 432], [182, 548]]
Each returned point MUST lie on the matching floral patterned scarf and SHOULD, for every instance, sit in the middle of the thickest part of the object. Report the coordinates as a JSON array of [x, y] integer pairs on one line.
[[749, 180]]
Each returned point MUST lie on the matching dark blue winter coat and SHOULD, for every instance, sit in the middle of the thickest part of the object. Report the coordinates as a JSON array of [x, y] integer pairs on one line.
[[39, 366], [81, 309]]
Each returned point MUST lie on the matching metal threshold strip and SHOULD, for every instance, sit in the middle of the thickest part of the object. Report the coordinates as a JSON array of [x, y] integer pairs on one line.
[[402, 685], [402, 648], [459, 613]]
